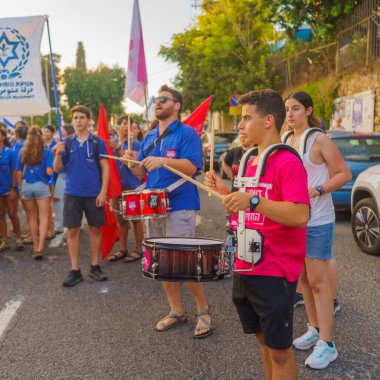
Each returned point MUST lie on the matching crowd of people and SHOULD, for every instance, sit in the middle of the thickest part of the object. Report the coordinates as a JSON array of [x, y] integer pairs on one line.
[[290, 207]]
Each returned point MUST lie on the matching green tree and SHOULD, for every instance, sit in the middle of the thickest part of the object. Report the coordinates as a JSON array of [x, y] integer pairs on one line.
[[102, 85], [224, 53], [81, 58], [322, 16]]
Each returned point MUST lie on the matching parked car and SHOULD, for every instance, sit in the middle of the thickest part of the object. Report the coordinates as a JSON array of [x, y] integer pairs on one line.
[[221, 142], [365, 205], [233, 145], [360, 151]]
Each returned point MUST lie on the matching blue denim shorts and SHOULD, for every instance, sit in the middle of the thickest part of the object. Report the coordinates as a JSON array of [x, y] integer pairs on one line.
[[319, 241], [37, 190]]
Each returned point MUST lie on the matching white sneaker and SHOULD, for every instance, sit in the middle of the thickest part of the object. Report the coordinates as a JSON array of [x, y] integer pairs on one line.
[[307, 340], [322, 355]]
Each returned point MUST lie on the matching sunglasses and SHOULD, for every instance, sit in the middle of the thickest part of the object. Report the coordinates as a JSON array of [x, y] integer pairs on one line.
[[162, 99]]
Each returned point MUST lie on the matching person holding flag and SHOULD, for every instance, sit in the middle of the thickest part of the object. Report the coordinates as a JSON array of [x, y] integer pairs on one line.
[[179, 146], [86, 190], [129, 182]]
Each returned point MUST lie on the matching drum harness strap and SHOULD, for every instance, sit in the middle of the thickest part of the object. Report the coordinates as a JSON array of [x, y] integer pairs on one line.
[[250, 241], [166, 132]]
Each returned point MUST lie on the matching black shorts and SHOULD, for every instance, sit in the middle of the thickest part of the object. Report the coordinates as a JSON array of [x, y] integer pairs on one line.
[[74, 207], [266, 304]]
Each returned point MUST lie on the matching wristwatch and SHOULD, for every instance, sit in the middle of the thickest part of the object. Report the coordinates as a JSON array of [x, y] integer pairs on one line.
[[254, 202], [321, 190]]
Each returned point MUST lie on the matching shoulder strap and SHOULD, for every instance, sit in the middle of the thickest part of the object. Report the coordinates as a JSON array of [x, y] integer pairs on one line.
[[69, 141], [166, 132], [242, 181], [96, 148], [286, 135], [304, 137]]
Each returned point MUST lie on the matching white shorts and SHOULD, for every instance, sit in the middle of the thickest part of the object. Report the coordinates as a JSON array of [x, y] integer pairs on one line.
[[177, 224]]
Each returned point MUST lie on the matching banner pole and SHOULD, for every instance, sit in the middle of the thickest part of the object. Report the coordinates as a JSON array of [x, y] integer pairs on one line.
[[54, 82], [146, 105]]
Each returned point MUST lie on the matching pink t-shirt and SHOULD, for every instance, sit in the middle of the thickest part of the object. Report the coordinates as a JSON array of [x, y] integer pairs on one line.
[[284, 179]]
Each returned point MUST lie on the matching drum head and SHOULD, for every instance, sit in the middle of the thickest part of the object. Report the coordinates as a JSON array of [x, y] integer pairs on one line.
[[183, 244]]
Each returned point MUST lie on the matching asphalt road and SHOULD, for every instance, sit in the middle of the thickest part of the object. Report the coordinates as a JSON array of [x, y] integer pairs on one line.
[[104, 330]]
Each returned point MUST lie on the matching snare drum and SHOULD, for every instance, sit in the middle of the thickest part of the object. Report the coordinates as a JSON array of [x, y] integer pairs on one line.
[[130, 205], [143, 204], [184, 259], [155, 203]]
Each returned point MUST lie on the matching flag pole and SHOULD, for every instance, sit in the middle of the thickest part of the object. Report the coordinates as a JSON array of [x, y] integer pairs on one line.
[[146, 105], [58, 112]]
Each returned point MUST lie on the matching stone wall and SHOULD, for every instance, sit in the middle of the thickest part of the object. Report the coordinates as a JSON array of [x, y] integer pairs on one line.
[[359, 82]]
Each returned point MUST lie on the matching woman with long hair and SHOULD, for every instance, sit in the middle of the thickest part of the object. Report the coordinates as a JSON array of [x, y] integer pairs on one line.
[[327, 172], [34, 168]]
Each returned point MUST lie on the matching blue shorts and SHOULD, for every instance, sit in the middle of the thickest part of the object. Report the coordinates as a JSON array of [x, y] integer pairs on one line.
[[37, 190], [319, 241]]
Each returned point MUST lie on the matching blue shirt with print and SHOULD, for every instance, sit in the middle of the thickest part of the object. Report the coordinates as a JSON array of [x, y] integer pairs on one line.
[[81, 167], [36, 173], [6, 168], [128, 179], [183, 142]]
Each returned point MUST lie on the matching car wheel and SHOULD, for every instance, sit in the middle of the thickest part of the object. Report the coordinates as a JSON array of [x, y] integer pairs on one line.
[[365, 224]]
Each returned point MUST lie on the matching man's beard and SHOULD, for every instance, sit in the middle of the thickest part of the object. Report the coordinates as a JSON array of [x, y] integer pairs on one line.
[[164, 115]]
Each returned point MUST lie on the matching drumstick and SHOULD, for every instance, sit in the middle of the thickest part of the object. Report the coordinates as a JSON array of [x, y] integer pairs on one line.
[[121, 159], [129, 137], [175, 171], [193, 181], [212, 148]]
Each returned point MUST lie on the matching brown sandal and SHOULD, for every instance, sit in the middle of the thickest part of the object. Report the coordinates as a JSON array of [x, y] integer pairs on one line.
[[133, 256], [119, 255], [38, 255], [179, 320]]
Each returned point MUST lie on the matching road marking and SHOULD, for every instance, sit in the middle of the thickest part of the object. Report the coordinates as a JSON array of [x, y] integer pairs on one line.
[[8, 313]]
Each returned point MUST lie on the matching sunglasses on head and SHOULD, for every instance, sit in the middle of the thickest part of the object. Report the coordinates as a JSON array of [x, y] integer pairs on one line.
[[162, 99]]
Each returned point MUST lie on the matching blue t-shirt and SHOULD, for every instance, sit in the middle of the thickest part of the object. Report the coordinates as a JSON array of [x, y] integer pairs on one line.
[[6, 168], [128, 179], [50, 147], [36, 173], [183, 142], [16, 149], [82, 169]]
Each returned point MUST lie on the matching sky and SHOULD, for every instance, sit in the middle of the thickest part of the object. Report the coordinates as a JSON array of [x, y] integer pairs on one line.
[[104, 28]]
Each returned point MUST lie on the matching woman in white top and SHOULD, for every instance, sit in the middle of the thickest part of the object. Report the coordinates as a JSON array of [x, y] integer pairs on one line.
[[327, 172]]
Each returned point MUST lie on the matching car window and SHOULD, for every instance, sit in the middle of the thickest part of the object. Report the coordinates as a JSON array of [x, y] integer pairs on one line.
[[359, 149]]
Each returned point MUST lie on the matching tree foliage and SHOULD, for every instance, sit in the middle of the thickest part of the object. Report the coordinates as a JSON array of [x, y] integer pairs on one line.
[[322, 16], [224, 53], [102, 85]]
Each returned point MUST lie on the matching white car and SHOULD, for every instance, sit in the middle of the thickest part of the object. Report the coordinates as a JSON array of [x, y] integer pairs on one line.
[[365, 205]]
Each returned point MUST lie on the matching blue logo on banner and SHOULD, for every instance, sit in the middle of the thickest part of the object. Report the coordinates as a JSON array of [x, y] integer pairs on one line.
[[14, 53]]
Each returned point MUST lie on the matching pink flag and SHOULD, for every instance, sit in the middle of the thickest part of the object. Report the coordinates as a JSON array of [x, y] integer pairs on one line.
[[136, 78]]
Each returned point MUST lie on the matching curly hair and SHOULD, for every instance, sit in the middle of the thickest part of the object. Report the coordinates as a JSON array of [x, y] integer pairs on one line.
[[33, 150]]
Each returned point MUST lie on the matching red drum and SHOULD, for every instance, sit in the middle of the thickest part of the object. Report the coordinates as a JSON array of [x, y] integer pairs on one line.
[[145, 204], [131, 205], [184, 259], [155, 203]]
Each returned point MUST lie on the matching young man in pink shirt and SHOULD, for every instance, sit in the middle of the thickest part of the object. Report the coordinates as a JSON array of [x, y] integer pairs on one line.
[[278, 210]]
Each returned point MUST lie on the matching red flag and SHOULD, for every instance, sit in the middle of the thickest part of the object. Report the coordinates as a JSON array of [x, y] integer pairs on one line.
[[197, 118], [110, 231]]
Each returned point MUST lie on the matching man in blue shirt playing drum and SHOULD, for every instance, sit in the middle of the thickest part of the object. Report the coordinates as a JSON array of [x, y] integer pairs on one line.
[[179, 146]]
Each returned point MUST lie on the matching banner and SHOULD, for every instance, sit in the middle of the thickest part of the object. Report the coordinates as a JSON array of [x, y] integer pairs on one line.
[[21, 88], [136, 77], [198, 117]]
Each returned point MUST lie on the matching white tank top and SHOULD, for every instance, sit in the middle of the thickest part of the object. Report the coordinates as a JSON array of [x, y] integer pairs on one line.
[[322, 207]]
